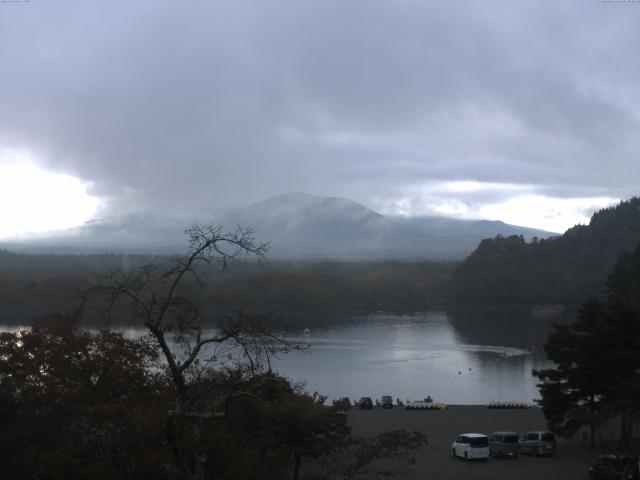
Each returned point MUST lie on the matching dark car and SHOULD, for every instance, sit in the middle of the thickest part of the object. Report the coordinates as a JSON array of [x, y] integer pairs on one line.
[[538, 443], [365, 403], [614, 467], [386, 401]]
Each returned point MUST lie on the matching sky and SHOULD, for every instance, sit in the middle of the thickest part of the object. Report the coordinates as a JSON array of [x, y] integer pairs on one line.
[[527, 112]]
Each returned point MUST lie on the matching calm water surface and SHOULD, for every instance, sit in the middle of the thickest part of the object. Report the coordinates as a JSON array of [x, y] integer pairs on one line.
[[410, 357], [458, 357]]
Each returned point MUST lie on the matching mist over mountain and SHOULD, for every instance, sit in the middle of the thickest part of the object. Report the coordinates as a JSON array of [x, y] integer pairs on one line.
[[124, 234], [297, 225]]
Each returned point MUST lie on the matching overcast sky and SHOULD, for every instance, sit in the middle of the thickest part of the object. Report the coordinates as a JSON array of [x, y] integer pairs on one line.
[[525, 111]]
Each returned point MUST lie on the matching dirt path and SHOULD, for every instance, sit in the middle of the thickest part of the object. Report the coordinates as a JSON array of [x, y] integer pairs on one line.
[[434, 461]]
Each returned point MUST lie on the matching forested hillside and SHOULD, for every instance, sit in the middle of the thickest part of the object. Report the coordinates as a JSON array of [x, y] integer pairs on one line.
[[565, 269], [32, 286]]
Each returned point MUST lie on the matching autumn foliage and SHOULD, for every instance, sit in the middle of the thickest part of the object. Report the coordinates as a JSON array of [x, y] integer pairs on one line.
[[79, 405]]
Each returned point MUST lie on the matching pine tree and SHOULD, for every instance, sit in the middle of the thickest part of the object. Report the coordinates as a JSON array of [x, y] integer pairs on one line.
[[597, 359]]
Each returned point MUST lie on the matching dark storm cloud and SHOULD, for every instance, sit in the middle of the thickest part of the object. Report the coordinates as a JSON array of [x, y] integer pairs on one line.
[[167, 105]]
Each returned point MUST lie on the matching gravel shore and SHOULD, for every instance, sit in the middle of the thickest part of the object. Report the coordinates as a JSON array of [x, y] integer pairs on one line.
[[441, 427]]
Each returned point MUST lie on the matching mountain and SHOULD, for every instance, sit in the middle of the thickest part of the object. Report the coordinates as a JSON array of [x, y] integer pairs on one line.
[[300, 225], [566, 269], [445, 226], [124, 234], [297, 225]]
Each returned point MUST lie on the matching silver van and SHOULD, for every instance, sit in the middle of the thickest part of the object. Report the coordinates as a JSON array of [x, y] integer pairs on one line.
[[504, 444], [538, 443]]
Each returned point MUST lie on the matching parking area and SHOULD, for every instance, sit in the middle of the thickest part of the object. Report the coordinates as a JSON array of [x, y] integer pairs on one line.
[[441, 427]]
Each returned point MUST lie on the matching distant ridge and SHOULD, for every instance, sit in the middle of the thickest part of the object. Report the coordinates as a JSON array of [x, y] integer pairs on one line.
[[298, 226], [566, 269]]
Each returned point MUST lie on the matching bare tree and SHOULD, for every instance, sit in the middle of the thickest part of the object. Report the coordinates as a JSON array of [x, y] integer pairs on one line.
[[163, 295]]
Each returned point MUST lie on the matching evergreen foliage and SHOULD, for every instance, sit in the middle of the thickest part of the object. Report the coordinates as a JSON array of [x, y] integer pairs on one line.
[[597, 372], [558, 270]]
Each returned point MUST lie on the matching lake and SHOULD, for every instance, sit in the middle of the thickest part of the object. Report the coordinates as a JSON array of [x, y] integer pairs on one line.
[[458, 356]]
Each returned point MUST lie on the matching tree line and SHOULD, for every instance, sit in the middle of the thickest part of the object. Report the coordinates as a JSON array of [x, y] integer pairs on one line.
[[502, 270], [33, 285], [596, 377], [558, 270]]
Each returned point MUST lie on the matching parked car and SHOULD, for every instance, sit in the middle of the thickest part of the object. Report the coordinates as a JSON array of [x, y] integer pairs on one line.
[[471, 446], [504, 444], [538, 443], [386, 401], [365, 403], [615, 467], [342, 404]]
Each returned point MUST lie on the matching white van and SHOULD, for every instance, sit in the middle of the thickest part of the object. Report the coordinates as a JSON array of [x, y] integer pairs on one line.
[[471, 446]]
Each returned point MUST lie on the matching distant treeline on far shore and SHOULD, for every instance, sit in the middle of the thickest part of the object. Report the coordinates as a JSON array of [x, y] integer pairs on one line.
[[34, 285], [563, 270]]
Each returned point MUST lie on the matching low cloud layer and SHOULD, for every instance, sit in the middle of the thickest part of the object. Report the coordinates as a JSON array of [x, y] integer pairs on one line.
[[189, 106]]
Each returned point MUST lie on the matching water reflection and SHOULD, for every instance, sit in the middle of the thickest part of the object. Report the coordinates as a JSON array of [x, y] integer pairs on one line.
[[461, 356], [521, 327], [418, 355]]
